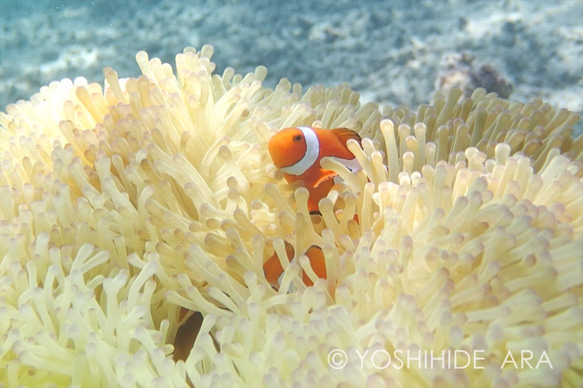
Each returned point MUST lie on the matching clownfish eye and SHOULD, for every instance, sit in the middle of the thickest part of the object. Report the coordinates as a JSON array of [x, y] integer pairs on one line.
[[297, 137]]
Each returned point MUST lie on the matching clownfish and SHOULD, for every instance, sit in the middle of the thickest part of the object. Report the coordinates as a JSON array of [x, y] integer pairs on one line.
[[298, 152], [274, 271]]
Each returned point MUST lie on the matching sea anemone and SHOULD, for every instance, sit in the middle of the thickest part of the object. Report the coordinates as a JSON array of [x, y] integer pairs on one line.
[[127, 211]]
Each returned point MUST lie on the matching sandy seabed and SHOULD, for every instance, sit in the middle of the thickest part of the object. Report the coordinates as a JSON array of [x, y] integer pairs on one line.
[[388, 51]]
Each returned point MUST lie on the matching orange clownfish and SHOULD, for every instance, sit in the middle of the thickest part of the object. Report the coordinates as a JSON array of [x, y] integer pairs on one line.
[[274, 271], [298, 152]]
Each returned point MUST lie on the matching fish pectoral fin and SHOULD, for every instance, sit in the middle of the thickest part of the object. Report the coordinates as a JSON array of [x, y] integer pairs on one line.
[[326, 176]]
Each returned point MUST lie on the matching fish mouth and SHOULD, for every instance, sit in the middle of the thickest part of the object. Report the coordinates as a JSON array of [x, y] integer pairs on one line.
[[275, 147]]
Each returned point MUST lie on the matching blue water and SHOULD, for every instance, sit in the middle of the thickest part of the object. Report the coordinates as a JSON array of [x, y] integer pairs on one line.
[[388, 50]]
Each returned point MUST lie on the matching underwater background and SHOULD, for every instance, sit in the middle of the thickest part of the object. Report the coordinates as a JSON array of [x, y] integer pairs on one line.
[[391, 52]]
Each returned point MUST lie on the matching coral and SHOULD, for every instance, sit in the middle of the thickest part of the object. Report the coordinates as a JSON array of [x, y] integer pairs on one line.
[[459, 71], [125, 209]]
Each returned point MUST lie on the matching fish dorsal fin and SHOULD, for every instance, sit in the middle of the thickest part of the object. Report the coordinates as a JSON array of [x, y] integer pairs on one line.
[[344, 134]]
